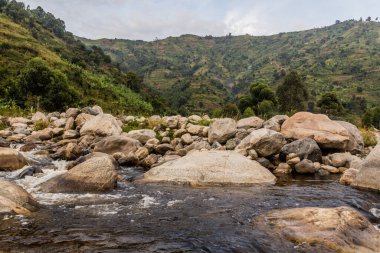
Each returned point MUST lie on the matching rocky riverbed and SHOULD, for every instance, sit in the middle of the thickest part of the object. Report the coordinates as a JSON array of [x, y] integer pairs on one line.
[[79, 184]]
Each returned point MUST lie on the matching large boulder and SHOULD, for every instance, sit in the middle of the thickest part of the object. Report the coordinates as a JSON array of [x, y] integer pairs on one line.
[[356, 143], [266, 142], [221, 130], [115, 144], [11, 159], [101, 125], [251, 122], [327, 133], [211, 168], [312, 229], [304, 148], [142, 135], [97, 174], [14, 199], [368, 176]]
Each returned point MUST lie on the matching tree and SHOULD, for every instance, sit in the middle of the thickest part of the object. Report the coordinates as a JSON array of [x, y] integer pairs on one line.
[[248, 112], [133, 81], [16, 11], [260, 92], [329, 103], [368, 19], [266, 108], [372, 117], [230, 111], [45, 87], [244, 103], [292, 93], [3, 3]]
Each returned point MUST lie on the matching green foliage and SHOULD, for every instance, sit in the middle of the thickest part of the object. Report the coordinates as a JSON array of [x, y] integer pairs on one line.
[[11, 109], [40, 125], [133, 81], [261, 92], [248, 112], [230, 111], [46, 87], [266, 108], [204, 122], [3, 124], [292, 93], [330, 104], [133, 125], [244, 102], [369, 137], [371, 117]]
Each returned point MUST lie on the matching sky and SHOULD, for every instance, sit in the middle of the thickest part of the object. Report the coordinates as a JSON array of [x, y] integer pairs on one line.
[[158, 19]]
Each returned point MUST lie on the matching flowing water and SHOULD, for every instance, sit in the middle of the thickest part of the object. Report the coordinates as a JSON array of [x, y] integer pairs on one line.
[[166, 218]]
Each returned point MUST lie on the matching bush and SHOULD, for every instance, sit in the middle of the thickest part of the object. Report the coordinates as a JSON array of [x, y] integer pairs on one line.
[[204, 122], [132, 125], [3, 124], [248, 112], [40, 125], [369, 137]]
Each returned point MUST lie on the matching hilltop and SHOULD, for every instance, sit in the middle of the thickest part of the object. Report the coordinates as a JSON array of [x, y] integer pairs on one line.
[[43, 65], [198, 74]]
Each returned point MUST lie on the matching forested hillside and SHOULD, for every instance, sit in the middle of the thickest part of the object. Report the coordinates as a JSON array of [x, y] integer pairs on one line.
[[202, 73], [42, 66]]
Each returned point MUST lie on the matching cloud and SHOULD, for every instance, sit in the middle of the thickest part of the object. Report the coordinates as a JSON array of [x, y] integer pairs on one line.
[[148, 19]]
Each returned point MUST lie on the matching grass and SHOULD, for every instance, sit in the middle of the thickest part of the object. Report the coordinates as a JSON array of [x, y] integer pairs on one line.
[[40, 125], [132, 125]]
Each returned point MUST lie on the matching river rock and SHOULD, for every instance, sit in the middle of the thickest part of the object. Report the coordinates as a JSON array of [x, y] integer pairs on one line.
[[70, 134], [194, 119], [304, 148], [283, 168], [142, 135], [39, 116], [170, 122], [101, 125], [198, 145], [348, 176], [163, 148], [211, 168], [356, 143], [14, 199], [72, 113], [368, 176], [312, 229], [305, 167], [327, 133], [221, 130], [231, 144], [186, 139], [11, 159], [41, 135], [4, 143], [251, 122], [339, 159], [275, 122], [15, 120], [70, 123], [83, 118], [97, 174], [114, 144], [60, 123], [266, 142]]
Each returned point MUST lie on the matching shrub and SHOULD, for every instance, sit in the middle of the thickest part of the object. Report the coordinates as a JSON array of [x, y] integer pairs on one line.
[[369, 137], [248, 112], [40, 125], [3, 124], [132, 125], [204, 122]]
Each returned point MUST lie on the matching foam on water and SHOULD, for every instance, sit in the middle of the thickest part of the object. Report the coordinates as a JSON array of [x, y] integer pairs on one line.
[[147, 201], [173, 202], [375, 212]]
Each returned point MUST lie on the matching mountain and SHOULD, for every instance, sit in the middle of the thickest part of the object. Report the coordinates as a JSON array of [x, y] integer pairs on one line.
[[43, 65], [198, 74]]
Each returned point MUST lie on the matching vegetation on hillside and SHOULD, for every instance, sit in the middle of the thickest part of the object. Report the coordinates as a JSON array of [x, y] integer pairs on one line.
[[42, 66], [199, 74]]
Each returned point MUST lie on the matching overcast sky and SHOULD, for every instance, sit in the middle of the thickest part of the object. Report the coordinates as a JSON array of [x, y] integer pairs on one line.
[[150, 19]]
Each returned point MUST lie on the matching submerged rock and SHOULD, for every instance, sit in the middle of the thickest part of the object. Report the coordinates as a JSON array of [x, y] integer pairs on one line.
[[97, 174], [14, 199], [340, 229], [211, 168]]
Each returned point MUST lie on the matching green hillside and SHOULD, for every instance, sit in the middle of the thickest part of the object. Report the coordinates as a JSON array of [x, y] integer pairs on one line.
[[43, 65], [201, 73]]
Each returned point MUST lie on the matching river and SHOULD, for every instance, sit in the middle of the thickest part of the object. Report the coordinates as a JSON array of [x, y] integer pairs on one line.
[[166, 218]]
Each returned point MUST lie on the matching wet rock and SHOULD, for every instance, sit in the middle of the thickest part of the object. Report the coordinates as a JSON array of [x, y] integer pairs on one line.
[[30, 171], [97, 174], [275, 122], [340, 229], [221, 130], [283, 168], [368, 176], [327, 133], [251, 122], [265, 163], [114, 144], [130, 159], [348, 176], [14, 199], [28, 147], [293, 161], [4, 143], [211, 168], [72, 151], [330, 169], [323, 172], [142, 135], [305, 167], [266, 142], [11, 159], [101, 125], [304, 149]]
